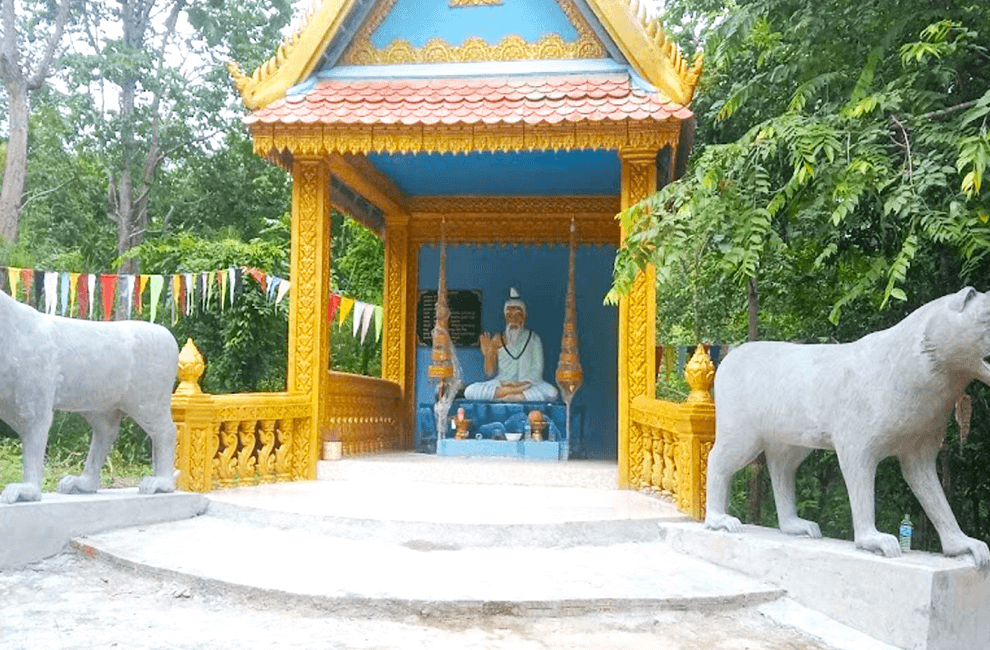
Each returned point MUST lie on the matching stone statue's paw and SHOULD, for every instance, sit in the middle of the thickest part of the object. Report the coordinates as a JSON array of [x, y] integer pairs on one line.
[[962, 544], [722, 522], [20, 492], [798, 526], [76, 485], [880, 543], [155, 484]]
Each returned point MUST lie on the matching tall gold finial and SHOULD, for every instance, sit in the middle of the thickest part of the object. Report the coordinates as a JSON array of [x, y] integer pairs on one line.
[[570, 376], [441, 365]]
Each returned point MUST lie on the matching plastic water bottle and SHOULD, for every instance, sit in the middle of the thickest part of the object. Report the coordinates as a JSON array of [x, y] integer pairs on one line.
[[906, 530]]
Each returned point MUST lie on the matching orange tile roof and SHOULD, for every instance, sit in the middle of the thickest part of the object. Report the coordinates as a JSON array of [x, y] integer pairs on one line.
[[506, 100]]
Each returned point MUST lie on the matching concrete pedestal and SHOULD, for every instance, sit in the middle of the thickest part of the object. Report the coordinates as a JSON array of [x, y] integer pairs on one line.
[[526, 449], [33, 531], [919, 601]]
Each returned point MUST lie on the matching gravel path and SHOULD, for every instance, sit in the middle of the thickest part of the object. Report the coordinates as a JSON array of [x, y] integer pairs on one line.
[[74, 602]]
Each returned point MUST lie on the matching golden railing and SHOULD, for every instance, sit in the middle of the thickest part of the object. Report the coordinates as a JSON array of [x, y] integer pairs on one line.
[[246, 439], [365, 413], [669, 442]]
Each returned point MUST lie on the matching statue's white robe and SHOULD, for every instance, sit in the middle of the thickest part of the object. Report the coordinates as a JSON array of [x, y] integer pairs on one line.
[[527, 367]]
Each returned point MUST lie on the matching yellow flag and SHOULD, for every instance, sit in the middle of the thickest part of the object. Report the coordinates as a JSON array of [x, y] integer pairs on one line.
[[346, 305], [73, 285]]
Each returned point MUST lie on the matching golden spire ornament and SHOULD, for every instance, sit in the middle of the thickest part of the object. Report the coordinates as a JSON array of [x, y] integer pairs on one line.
[[570, 376], [444, 366]]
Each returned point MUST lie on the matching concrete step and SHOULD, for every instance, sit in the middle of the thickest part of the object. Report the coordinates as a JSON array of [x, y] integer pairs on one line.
[[36, 530], [450, 517], [373, 578], [410, 466]]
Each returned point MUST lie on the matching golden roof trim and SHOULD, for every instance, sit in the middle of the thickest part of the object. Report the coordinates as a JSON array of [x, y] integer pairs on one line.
[[296, 57], [648, 49], [644, 44]]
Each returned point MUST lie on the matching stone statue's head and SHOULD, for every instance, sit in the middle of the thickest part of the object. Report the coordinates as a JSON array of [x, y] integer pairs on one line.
[[515, 311]]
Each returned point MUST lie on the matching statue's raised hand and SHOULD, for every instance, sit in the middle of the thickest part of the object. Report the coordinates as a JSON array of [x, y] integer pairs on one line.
[[490, 345]]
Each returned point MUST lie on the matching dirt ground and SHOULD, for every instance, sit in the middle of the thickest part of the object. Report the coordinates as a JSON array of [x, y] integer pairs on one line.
[[71, 601]]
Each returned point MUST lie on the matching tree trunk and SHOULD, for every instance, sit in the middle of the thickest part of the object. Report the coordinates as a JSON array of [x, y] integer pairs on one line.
[[754, 309], [754, 479], [15, 170], [20, 81]]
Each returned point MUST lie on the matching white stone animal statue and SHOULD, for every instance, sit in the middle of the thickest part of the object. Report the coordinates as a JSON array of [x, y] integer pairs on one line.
[[888, 394], [103, 371]]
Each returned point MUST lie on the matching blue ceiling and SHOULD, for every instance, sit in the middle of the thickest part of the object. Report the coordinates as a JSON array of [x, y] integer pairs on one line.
[[526, 173]]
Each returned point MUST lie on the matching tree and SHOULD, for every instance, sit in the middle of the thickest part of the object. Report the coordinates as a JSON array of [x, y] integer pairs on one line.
[[158, 91], [24, 69], [840, 152], [853, 164]]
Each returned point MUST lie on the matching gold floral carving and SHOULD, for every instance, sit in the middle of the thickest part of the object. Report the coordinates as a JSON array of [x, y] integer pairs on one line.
[[637, 321], [266, 459], [246, 459], [224, 466], [436, 50], [274, 141], [302, 361], [396, 250]]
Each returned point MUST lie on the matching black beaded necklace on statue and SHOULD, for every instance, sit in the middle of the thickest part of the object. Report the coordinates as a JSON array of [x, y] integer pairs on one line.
[[515, 357]]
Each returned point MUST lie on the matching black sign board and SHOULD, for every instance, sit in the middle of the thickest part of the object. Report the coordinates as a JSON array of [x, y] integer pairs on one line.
[[465, 316]]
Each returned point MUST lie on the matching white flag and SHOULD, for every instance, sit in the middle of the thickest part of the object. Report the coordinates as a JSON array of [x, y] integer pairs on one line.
[[51, 289]]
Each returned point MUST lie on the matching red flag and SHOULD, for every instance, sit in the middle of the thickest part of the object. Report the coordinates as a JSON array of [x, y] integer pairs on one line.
[[27, 279], [260, 276], [332, 307], [82, 295], [108, 283]]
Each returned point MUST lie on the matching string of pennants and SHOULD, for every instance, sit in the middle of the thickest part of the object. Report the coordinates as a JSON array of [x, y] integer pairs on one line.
[[86, 295]]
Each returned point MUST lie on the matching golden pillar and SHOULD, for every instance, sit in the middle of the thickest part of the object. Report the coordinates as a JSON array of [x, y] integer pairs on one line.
[[637, 324], [399, 336], [309, 327]]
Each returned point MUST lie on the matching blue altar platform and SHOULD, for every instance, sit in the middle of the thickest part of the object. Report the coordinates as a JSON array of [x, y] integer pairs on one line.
[[490, 421]]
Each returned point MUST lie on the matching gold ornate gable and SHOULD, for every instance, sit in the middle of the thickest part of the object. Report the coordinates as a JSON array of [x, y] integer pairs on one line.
[[437, 50], [651, 54]]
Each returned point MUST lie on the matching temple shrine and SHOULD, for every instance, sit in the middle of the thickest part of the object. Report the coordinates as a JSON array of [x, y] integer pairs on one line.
[[501, 138]]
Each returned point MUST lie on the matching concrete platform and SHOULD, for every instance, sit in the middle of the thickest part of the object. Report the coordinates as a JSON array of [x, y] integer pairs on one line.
[[365, 548], [32, 531], [430, 468], [919, 601]]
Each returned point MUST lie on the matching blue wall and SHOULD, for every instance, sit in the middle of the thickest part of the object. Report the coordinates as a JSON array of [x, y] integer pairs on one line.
[[522, 173], [417, 21], [540, 274]]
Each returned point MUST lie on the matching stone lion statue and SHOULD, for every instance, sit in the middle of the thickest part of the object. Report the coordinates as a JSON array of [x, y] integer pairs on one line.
[[103, 371], [888, 394]]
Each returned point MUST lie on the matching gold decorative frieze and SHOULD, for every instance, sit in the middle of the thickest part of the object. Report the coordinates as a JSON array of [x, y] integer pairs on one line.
[[509, 227], [520, 205], [273, 140], [436, 50]]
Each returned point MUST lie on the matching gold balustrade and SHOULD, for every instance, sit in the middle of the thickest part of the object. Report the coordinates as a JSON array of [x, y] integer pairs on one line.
[[670, 442], [365, 412], [250, 438]]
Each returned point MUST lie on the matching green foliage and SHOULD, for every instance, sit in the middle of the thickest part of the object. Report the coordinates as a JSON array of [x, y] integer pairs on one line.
[[840, 159], [68, 444], [871, 153], [358, 272]]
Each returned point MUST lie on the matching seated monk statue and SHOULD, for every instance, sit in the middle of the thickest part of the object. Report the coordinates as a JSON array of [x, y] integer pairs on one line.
[[518, 353]]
